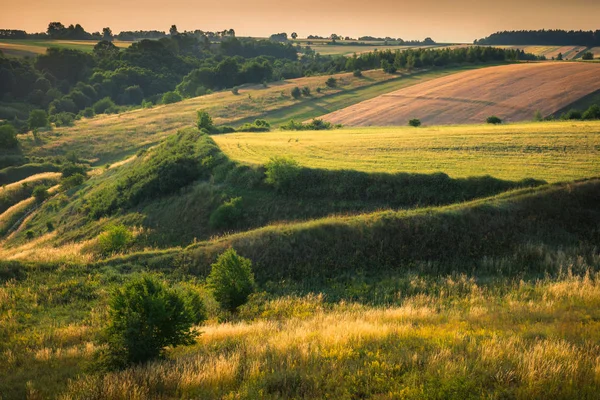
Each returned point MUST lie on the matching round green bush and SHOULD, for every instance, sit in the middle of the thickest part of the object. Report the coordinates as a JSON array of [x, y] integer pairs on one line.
[[231, 280]]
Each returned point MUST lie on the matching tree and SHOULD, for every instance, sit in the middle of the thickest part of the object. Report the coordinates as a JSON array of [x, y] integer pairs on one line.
[[204, 121], [294, 35], [282, 172], [559, 57], [107, 34], [331, 82], [588, 55], [493, 120], [173, 30], [37, 119], [8, 137], [296, 93], [231, 280], [55, 30], [592, 113], [171, 97], [146, 316], [40, 193], [414, 122]]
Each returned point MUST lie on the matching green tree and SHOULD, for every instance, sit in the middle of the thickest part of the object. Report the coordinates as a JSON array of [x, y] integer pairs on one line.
[[231, 280], [331, 82], [592, 113], [40, 193], [8, 137], [145, 316], [493, 120], [171, 97], [282, 173], [204, 121], [588, 55], [559, 57], [294, 35], [414, 122], [296, 93], [37, 119]]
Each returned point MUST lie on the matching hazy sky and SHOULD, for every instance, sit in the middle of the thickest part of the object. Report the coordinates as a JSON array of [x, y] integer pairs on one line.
[[444, 21]]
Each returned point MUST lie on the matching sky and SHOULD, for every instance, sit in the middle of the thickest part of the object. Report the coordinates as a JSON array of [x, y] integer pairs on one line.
[[444, 21]]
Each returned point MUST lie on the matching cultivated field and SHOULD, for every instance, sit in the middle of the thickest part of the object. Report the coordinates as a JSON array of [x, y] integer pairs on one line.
[[31, 48], [111, 137], [552, 151], [511, 92]]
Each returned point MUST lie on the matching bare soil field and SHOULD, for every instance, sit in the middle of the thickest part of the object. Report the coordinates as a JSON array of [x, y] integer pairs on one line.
[[512, 92]]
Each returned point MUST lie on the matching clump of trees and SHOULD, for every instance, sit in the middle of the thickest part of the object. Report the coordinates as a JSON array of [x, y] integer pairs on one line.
[[556, 37], [314, 125], [494, 120], [414, 122]]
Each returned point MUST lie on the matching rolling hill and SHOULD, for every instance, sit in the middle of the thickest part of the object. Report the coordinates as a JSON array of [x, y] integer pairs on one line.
[[511, 92]]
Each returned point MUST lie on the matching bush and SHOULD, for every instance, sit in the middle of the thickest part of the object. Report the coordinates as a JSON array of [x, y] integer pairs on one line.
[[8, 137], [115, 238], [331, 82], [235, 91], [493, 120], [315, 125], [588, 55], [204, 121], [40, 193], [145, 317], [227, 215], [306, 91], [260, 125], [71, 168], [571, 114], [63, 119], [104, 106], [592, 113], [72, 181], [171, 97], [537, 116], [87, 112], [282, 173], [357, 73], [133, 95], [296, 93], [231, 280], [414, 122], [37, 119]]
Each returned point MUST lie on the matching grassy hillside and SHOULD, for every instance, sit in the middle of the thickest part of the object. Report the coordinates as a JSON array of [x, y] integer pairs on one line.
[[111, 138], [551, 151], [32, 47]]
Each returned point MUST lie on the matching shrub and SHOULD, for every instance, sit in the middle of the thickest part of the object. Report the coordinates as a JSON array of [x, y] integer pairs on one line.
[[306, 91], [414, 122], [592, 113], [171, 97], [231, 280], [538, 116], [296, 93], [40, 193], [8, 137], [571, 114], [227, 215], [115, 238], [72, 181], [49, 226], [260, 125], [37, 119], [71, 168], [133, 95], [147, 104], [282, 173], [331, 82], [104, 106], [315, 125], [235, 91], [588, 55], [204, 121], [493, 120], [63, 119], [145, 317], [87, 112], [357, 73]]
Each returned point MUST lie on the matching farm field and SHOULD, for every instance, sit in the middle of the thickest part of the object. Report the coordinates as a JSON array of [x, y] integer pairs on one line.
[[512, 92], [31, 48], [552, 151], [109, 138]]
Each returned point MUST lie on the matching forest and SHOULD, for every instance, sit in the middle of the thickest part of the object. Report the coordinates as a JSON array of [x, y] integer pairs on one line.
[[553, 37]]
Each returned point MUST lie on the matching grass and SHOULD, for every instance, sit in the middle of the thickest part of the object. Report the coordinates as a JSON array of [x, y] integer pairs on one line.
[[108, 139], [551, 151]]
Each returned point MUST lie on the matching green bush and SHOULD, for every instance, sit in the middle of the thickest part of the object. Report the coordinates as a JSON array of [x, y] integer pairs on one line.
[[145, 316], [306, 91], [493, 120], [204, 121], [8, 137], [571, 115], [40, 193], [231, 280], [315, 125], [592, 113], [260, 125], [72, 181], [331, 82], [588, 55], [282, 173], [104, 106], [37, 119], [296, 93], [235, 91], [414, 122], [227, 215], [71, 168], [171, 97], [357, 73], [87, 112], [63, 119], [115, 238]]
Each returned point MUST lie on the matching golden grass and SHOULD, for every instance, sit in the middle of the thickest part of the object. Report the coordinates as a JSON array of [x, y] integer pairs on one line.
[[552, 151], [512, 92], [428, 347], [30, 179]]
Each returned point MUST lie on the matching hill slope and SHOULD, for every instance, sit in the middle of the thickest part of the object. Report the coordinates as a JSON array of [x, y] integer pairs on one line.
[[512, 92]]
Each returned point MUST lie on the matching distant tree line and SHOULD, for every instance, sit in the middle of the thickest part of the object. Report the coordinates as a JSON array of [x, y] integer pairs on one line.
[[543, 37]]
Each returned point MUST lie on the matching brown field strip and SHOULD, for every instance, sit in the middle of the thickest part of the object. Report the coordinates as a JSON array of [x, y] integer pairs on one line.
[[512, 92]]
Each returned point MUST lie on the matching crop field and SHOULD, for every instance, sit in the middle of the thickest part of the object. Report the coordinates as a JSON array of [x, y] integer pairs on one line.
[[31, 48], [552, 151], [511, 92], [109, 138]]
